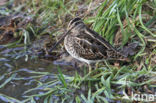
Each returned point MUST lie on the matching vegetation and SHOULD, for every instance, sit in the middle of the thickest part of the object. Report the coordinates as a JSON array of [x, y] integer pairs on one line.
[[121, 22]]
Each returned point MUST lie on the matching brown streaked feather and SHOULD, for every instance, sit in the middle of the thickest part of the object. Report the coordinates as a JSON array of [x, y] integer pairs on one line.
[[99, 38], [87, 45], [104, 42], [97, 46], [87, 50], [101, 45]]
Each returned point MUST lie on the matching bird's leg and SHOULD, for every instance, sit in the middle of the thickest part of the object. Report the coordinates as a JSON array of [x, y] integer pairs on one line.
[[90, 68], [46, 51], [96, 65]]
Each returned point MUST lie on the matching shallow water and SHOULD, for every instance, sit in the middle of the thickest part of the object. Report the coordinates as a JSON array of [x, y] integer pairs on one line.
[[18, 75]]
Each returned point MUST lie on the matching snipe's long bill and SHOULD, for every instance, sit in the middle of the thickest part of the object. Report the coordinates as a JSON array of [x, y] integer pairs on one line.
[[60, 40]]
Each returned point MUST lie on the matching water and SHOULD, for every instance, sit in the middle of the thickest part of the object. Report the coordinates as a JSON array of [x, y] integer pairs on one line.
[[18, 76]]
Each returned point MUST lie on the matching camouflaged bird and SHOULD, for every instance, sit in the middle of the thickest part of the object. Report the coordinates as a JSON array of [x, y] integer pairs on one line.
[[86, 45]]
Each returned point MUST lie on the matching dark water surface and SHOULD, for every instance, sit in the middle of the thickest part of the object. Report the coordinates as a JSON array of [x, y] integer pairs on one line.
[[18, 75]]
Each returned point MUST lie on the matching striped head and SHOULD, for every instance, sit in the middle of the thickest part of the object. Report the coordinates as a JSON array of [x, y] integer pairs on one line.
[[75, 24]]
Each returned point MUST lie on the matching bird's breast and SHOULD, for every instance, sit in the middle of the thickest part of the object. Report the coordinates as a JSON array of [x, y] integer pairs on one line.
[[69, 45]]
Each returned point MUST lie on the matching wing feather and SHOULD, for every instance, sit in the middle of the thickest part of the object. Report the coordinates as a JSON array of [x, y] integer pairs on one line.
[[89, 50], [96, 36]]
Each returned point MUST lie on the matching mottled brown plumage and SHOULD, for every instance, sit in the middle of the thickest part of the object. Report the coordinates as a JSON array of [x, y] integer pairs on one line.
[[86, 45]]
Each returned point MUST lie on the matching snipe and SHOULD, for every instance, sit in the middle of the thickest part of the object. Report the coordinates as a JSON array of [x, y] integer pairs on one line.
[[86, 45]]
